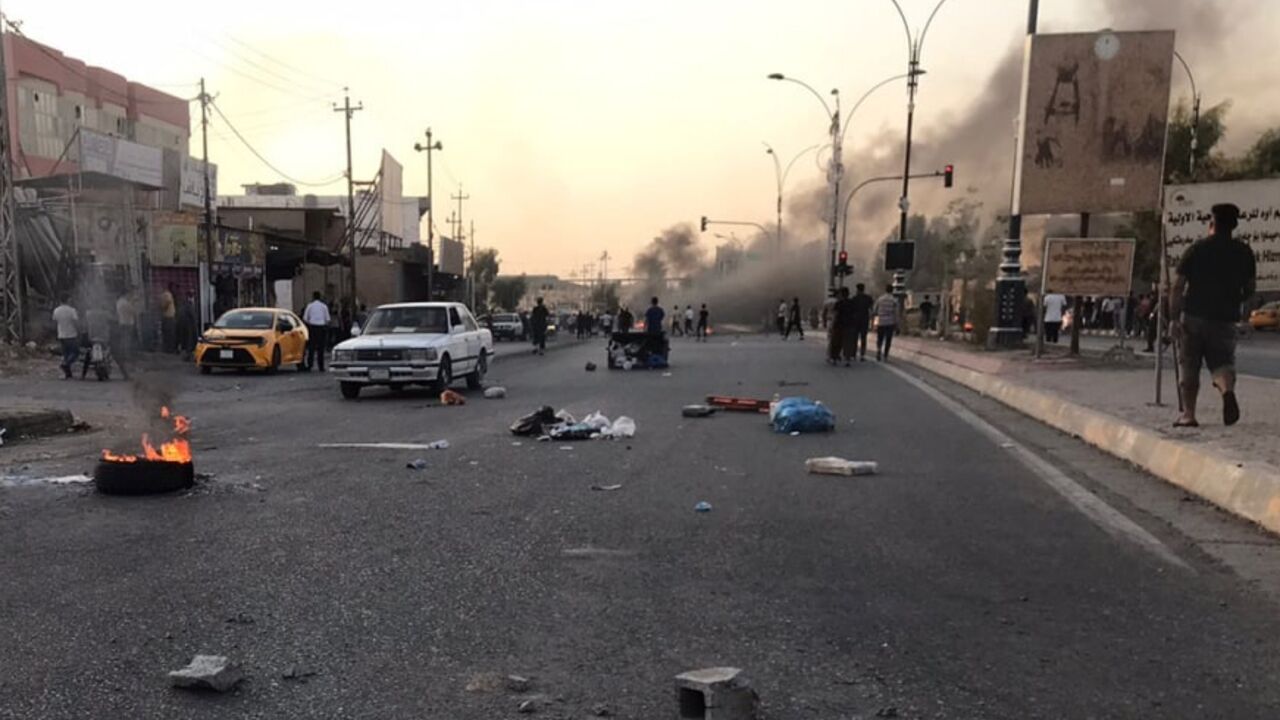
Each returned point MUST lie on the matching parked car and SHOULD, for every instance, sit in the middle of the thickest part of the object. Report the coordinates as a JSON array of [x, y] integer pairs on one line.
[[253, 337], [1266, 317], [508, 326], [422, 343]]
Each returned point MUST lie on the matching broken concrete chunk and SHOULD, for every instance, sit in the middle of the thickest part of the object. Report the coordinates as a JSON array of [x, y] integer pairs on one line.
[[528, 706], [518, 683], [495, 393], [720, 693], [210, 672]]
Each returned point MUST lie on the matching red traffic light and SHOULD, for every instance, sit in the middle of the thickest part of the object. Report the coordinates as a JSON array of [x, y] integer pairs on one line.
[[948, 175], [844, 257]]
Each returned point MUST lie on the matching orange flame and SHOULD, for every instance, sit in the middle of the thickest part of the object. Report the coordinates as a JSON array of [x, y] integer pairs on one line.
[[176, 450]]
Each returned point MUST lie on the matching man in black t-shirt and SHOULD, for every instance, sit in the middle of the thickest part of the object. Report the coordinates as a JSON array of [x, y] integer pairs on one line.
[[860, 306], [1216, 275], [840, 331]]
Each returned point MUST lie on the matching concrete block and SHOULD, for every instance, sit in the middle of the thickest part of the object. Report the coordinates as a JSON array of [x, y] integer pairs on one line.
[[210, 672], [720, 693]]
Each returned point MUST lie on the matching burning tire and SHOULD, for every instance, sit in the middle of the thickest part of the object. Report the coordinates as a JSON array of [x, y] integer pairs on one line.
[[142, 477]]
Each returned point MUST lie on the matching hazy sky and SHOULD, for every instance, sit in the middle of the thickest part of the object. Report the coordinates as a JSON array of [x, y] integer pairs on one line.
[[578, 127]]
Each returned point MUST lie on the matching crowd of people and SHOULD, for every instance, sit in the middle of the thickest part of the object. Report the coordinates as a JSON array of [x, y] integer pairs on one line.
[[686, 322]]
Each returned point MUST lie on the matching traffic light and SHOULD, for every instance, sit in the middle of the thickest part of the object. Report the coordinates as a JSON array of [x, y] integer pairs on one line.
[[842, 264], [948, 175], [704, 223]]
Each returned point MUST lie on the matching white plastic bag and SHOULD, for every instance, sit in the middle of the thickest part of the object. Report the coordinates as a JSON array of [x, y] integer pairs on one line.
[[623, 427], [597, 421]]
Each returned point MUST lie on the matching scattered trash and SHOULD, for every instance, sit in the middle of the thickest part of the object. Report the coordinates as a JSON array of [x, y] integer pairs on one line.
[[451, 397], [623, 427], [495, 393], [802, 415], [840, 466], [535, 422], [722, 693], [485, 682], [566, 447], [528, 706], [606, 488], [591, 367], [437, 445], [601, 710], [666, 374], [695, 411], [23, 481], [418, 464], [740, 404], [519, 683], [211, 672], [293, 673], [516, 443], [2, 432], [794, 433], [565, 416], [1007, 445], [793, 383], [596, 420], [702, 507], [576, 431]]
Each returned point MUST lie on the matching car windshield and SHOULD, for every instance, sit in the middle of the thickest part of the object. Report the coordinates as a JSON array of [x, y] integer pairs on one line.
[[246, 320], [407, 320]]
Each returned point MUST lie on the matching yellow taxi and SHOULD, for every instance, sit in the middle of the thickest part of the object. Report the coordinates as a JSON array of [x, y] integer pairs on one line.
[[1266, 317], [253, 337]]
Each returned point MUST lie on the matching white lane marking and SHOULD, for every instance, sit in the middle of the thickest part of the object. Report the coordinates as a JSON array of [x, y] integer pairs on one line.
[[1093, 507]]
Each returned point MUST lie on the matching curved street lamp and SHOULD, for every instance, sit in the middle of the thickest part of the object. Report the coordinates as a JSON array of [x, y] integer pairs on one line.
[[781, 176]]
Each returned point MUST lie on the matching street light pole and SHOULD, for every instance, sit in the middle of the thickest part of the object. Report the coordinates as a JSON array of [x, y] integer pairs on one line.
[[781, 176], [431, 204], [1195, 117]]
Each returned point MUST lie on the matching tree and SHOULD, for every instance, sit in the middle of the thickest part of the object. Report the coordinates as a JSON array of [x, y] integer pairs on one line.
[[605, 296], [1177, 152], [483, 271], [507, 292], [1263, 159]]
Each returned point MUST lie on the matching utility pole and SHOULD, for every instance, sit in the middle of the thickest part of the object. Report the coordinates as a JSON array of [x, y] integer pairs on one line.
[[348, 110], [430, 147], [206, 295], [11, 316], [471, 236], [457, 233]]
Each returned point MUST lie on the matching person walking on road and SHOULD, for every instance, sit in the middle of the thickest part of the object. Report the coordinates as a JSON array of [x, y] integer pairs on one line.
[[1215, 277], [782, 316], [169, 320], [538, 327], [886, 311], [793, 320], [67, 321], [860, 307], [316, 317], [1054, 304], [126, 326], [704, 317], [688, 320], [653, 318], [625, 320], [675, 322], [840, 329]]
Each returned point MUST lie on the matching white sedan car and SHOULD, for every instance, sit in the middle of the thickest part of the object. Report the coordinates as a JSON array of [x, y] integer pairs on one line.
[[422, 343]]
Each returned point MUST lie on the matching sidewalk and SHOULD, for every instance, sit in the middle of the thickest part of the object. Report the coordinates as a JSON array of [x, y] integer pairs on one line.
[[1109, 406]]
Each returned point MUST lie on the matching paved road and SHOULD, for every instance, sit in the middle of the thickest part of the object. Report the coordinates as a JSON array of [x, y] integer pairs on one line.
[[959, 583], [1258, 354]]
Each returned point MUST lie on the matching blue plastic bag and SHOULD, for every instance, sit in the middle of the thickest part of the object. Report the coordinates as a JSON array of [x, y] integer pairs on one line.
[[800, 414]]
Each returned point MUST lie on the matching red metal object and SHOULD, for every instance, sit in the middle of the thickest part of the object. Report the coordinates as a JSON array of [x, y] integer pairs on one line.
[[738, 403]]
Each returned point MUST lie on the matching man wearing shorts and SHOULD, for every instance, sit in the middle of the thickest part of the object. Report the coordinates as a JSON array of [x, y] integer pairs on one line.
[[1215, 276]]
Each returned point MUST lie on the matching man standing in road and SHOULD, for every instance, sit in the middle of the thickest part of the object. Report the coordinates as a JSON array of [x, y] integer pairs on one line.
[[886, 311], [538, 327], [126, 326], [675, 322], [793, 320], [782, 316], [1215, 276], [625, 320], [704, 317], [688, 319], [1054, 304], [68, 324], [840, 329], [926, 314], [168, 320], [316, 316], [860, 307], [653, 318]]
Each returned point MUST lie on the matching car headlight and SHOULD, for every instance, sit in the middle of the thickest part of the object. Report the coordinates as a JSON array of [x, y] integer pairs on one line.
[[344, 355], [424, 355], [262, 342]]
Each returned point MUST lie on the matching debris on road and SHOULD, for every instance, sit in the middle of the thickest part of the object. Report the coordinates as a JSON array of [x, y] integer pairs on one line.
[[485, 682], [606, 488], [452, 397], [703, 507], [519, 683], [666, 374], [721, 693], [601, 710], [696, 411], [437, 445], [496, 392], [590, 367], [623, 427], [293, 673], [740, 404], [536, 422], [840, 466], [793, 383], [528, 706], [801, 415], [209, 672], [418, 464]]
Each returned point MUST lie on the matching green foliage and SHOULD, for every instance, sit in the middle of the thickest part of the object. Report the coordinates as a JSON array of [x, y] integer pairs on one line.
[[506, 292], [483, 271], [1263, 159]]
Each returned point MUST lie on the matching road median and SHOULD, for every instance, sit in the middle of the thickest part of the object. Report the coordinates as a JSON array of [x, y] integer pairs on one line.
[[1245, 486]]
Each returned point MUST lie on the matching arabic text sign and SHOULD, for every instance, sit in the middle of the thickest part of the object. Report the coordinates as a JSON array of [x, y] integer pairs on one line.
[[1089, 266], [1187, 215]]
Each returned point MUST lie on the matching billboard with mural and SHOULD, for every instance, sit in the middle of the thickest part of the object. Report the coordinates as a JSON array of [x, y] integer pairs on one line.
[[1187, 216], [175, 240], [1094, 111]]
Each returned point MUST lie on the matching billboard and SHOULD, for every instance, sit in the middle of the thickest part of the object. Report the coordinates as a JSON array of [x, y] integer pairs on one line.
[[1098, 267], [452, 258], [175, 240], [1094, 110], [391, 191], [121, 159], [191, 190], [1186, 219]]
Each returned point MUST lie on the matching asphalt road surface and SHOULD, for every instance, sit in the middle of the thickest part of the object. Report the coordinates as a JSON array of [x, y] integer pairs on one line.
[[986, 572], [1257, 354]]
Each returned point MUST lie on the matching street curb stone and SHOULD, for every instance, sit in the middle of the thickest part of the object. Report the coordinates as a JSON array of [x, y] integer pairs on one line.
[[1250, 490]]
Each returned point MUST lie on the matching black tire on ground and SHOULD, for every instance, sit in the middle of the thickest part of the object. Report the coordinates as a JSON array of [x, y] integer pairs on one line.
[[445, 378], [350, 391], [475, 379], [205, 369], [275, 361], [142, 477]]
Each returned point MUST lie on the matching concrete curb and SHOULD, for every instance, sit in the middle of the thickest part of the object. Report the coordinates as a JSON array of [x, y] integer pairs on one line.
[[19, 424], [1250, 490]]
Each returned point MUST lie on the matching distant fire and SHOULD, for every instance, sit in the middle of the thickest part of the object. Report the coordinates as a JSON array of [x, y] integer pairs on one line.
[[176, 450]]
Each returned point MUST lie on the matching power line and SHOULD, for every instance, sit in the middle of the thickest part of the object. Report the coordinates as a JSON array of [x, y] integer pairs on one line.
[[249, 76], [304, 73], [304, 85], [267, 162]]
